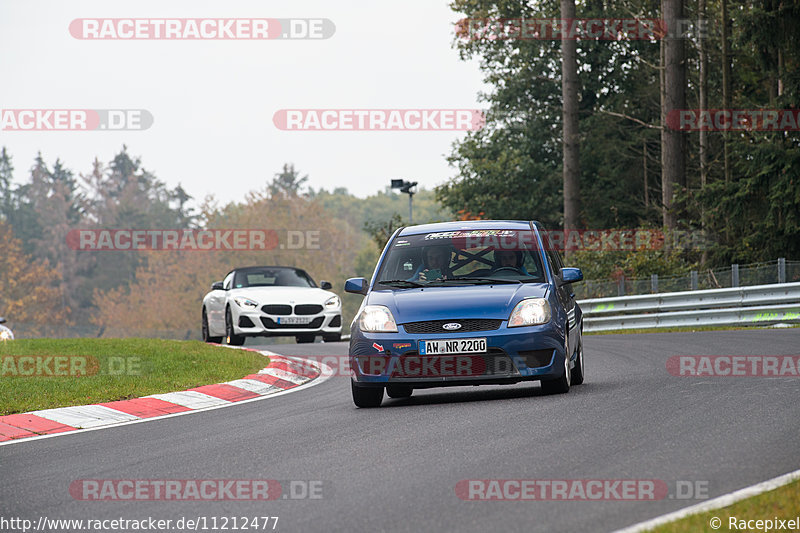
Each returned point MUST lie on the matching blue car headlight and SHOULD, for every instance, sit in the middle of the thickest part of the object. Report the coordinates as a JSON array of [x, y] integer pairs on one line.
[[530, 312], [377, 319]]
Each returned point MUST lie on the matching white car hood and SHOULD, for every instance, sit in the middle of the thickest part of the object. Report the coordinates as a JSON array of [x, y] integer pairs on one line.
[[297, 295]]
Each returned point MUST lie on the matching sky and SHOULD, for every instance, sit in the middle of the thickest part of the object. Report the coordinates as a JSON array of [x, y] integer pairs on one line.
[[213, 102]]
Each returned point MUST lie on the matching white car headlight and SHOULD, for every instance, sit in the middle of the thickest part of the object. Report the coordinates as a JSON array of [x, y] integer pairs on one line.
[[333, 302], [530, 312], [245, 303], [5, 334], [377, 319]]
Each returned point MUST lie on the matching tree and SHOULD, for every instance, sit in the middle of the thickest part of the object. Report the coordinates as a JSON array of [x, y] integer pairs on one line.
[[28, 287], [54, 197], [571, 134], [6, 180], [287, 182], [125, 195], [673, 146]]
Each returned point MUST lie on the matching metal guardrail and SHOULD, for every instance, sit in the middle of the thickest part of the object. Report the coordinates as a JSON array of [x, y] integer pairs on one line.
[[759, 304]]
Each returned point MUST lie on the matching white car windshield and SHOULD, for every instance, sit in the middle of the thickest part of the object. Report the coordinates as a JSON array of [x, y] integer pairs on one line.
[[271, 277]]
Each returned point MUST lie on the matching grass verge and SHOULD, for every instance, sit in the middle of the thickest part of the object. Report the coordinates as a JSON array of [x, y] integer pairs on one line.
[[86, 371], [783, 503]]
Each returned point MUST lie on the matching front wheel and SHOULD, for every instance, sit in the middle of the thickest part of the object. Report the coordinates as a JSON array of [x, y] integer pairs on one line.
[[231, 338], [577, 372], [561, 384], [366, 396]]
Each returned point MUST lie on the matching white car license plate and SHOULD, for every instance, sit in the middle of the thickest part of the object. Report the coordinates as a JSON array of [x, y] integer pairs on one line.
[[449, 346], [294, 320]]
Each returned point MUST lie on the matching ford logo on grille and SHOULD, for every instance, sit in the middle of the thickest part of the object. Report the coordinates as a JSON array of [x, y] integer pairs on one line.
[[450, 326]]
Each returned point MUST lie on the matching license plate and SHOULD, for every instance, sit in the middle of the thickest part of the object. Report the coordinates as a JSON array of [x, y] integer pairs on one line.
[[449, 346], [294, 320]]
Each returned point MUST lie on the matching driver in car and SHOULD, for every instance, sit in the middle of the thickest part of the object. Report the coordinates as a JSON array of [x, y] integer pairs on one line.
[[509, 259], [435, 266]]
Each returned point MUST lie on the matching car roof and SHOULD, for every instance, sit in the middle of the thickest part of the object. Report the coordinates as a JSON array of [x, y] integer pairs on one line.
[[466, 225], [265, 266], [251, 268]]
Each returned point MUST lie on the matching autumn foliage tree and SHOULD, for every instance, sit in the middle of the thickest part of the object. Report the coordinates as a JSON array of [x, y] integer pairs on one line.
[[29, 289]]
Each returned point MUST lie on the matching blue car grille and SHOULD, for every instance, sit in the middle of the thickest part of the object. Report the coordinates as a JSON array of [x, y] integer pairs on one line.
[[467, 324]]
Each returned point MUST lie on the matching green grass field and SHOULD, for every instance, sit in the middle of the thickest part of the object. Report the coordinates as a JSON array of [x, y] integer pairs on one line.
[[783, 503], [86, 371]]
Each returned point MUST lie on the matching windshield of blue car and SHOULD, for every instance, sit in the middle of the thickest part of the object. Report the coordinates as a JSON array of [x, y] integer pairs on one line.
[[272, 277], [463, 257]]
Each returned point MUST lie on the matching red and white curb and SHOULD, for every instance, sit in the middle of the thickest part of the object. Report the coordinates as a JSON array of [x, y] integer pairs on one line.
[[283, 374]]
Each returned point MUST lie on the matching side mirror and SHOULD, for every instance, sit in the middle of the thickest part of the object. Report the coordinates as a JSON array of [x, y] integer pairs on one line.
[[325, 285], [356, 285], [2, 320], [571, 275], [217, 286]]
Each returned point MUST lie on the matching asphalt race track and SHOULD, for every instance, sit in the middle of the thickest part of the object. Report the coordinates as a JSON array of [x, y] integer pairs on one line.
[[396, 468]]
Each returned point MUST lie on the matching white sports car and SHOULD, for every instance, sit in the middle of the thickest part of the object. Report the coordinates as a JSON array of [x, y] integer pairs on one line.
[[5, 333], [270, 301]]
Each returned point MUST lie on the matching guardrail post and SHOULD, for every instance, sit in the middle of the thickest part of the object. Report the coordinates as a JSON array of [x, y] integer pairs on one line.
[[694, 279], [621, 286], [654, 282], [735, 275], [781, 270]]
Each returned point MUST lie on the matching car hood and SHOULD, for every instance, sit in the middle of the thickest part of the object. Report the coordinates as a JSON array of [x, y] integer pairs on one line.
[[443, 303], [298, 295]]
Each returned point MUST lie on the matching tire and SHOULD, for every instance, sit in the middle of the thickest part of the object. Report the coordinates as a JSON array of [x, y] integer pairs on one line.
[[366, 397], [304, 339], [332, 337], [399, 391], [577, 372], [206, 336], [233, 340], [561, 384]]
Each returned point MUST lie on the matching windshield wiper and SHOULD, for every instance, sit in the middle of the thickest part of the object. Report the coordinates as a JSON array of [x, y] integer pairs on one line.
[[482, 280], [400, 283]]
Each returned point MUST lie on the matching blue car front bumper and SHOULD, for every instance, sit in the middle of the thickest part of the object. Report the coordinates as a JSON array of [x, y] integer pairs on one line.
[[512, 355]]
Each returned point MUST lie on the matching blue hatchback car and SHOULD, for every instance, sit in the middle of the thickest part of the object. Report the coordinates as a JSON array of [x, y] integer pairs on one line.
[[465, 303]]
